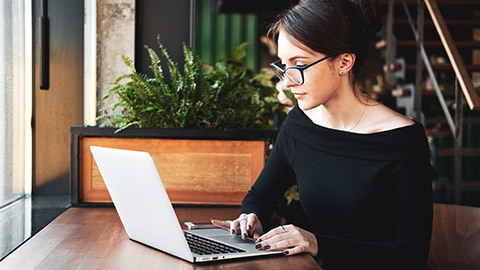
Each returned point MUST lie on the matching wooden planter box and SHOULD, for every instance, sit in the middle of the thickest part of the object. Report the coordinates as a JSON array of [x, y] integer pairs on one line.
[[211, 167]]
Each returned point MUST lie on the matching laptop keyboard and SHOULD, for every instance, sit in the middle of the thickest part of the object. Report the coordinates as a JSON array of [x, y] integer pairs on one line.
[[203, 246]]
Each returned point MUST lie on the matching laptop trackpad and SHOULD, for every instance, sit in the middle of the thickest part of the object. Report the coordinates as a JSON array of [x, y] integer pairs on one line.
[[225, 237], [233, 239]]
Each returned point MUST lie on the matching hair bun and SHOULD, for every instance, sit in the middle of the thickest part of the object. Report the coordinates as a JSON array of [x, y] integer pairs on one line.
[[371, 21]]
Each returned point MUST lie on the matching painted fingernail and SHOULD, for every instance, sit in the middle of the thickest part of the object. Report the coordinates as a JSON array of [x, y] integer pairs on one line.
[[232, 231], [257, 246], [249, 227], [244, 236], [258, 240], [266, 247], [285, 252]]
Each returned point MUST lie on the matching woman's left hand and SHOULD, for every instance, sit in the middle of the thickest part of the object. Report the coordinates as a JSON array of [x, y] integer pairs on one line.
[[294, 239]]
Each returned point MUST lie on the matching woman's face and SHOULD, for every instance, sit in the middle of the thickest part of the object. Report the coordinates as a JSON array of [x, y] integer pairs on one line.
[[320, 80]]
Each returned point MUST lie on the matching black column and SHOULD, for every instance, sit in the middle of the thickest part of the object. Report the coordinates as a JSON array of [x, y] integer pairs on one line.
[[173, 20]]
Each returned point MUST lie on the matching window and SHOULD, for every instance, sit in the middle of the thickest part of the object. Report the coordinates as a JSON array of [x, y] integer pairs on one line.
[[15, 133], [12, 101]]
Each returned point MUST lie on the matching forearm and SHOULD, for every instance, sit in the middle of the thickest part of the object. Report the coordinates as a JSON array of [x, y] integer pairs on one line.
[[268, 190]]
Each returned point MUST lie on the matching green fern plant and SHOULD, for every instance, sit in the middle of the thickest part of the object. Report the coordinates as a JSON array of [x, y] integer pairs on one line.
[[227, 95]]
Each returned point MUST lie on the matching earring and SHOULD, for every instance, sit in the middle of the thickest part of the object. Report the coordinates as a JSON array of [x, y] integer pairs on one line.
[[341, 73]]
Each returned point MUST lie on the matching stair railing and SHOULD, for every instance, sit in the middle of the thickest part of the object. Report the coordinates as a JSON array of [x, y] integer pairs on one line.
[[461, 72], [462, 79]]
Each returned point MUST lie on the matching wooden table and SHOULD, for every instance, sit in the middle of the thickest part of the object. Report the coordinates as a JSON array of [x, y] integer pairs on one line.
[[94, 238]]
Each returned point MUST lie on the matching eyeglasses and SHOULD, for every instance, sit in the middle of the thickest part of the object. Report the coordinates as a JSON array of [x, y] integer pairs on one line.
[[295, 73]]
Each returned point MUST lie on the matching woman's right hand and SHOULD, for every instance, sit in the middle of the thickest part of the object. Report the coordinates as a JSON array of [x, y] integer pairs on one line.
[[247, 225]]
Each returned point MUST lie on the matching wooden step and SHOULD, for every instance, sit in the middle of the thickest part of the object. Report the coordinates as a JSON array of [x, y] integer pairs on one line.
[[466, 152], [466, 186], [434, 43], [449, 22], [442, 120], [432, 93], [440, 2], [443, 67]]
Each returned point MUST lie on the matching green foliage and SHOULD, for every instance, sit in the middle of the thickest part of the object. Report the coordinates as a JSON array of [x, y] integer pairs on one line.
[[225, 96], [291, 194]]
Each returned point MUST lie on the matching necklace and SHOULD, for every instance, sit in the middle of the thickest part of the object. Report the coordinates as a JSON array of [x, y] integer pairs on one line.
[[359, 119], [354, 125]]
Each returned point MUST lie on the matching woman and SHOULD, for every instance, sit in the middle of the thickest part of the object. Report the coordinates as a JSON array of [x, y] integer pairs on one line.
[[363, 170]]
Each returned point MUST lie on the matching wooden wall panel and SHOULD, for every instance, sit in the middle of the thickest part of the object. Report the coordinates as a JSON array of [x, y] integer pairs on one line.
[[61, 106], [193, 171]]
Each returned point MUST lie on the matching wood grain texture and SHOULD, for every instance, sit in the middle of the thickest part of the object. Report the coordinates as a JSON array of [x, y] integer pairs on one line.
[[192, 171], [455, 238], [59, 108], [93, 238]]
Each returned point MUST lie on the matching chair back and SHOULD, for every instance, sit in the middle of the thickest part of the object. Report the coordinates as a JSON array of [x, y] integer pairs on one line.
[[455, 243]]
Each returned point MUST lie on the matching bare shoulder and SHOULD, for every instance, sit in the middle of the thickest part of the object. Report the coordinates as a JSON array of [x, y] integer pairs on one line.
[[381, 118]]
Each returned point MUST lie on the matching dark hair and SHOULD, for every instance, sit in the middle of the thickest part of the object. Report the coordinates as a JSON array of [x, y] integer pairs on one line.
[[332, 26]]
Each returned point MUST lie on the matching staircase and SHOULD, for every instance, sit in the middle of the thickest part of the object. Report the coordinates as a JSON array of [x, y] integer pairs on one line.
[[462, 18]]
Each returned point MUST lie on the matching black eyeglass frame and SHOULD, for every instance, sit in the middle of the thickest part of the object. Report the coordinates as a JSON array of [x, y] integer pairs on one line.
[[276, 68]]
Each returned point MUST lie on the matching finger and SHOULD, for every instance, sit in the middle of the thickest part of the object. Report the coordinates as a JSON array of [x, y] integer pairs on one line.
[[234, 227], [251, 224], [273, 232], [256, 234], [243, 227], [285, 241], [280, 241], [221, 223], [254, 226], [293, 251]]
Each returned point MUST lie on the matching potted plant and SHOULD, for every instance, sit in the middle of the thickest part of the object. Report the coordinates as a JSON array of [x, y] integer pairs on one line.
[[206, 127]]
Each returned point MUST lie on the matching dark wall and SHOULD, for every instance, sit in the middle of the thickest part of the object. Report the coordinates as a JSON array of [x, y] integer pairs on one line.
[[171, 19]]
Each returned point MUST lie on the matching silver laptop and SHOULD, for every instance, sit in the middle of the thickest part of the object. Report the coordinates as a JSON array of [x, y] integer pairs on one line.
[[147, 214]]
